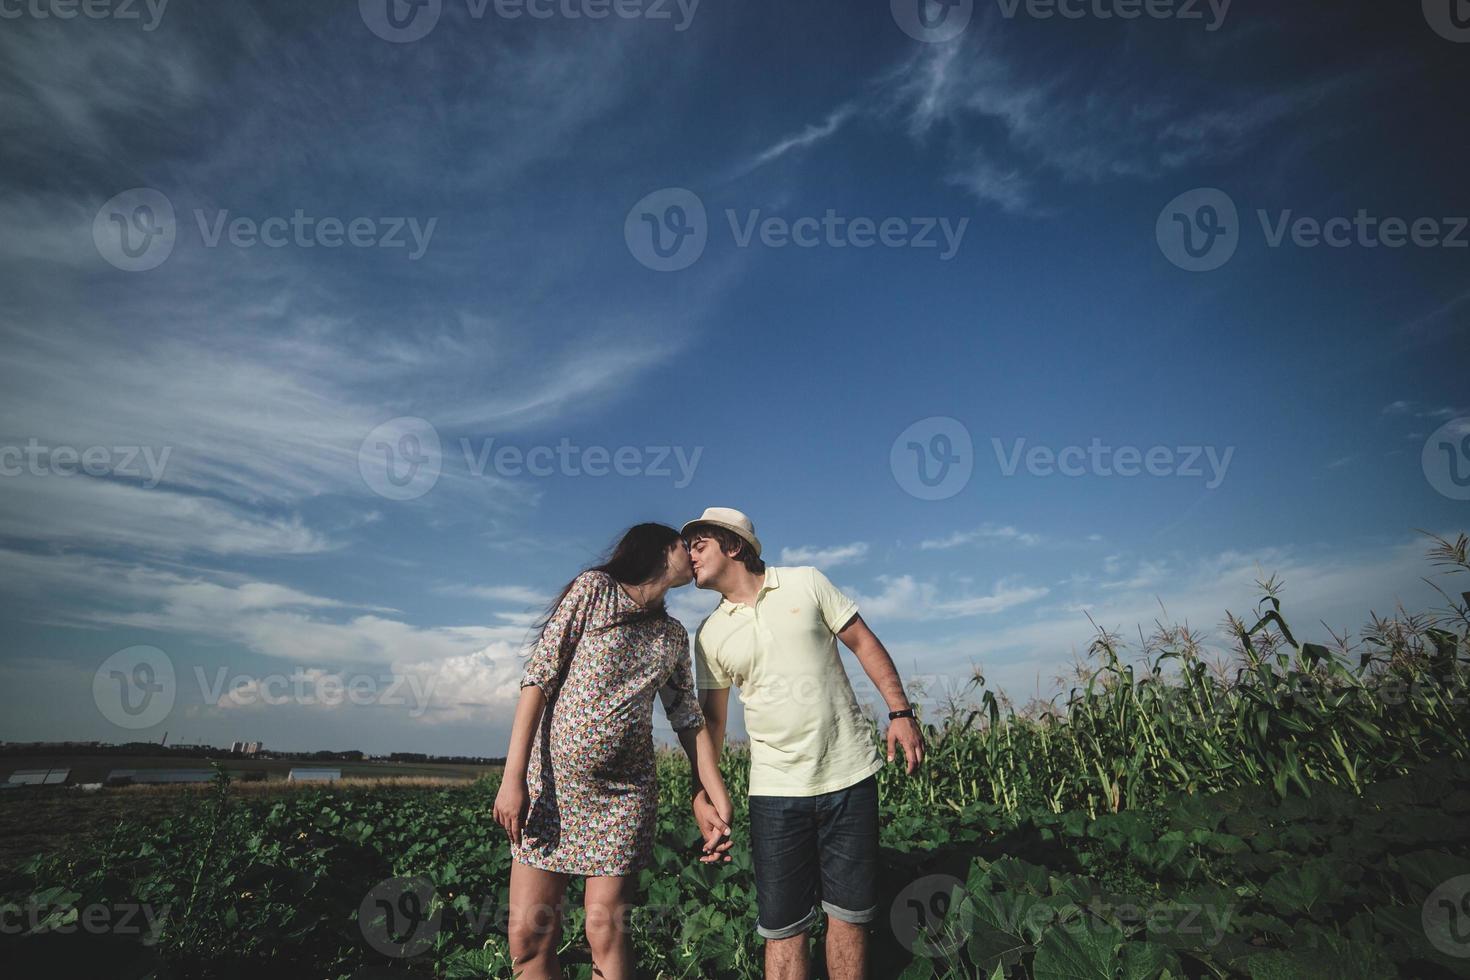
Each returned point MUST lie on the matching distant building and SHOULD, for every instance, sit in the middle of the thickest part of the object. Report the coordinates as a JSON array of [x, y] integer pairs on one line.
[[38, 777]]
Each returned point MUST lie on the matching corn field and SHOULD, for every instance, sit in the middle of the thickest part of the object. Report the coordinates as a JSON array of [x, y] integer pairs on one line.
[[1289, 809]]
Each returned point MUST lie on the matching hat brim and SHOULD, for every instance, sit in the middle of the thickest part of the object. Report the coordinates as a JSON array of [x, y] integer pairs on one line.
[[740, 532]]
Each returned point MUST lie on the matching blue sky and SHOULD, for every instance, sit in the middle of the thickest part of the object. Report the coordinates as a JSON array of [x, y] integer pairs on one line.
[[500, 172]]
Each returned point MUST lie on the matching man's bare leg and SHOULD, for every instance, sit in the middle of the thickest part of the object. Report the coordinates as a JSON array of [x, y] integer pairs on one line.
[[847, 950], [786, 959]]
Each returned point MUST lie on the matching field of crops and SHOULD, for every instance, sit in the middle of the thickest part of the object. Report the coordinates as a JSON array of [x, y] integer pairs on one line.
[[1299, 812]]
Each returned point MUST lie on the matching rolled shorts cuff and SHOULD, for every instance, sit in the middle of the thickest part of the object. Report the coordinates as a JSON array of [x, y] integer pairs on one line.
[[847, 915], [786, 932]]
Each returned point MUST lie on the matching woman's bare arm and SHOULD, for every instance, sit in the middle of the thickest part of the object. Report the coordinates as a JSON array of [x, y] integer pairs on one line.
[[512, 799]]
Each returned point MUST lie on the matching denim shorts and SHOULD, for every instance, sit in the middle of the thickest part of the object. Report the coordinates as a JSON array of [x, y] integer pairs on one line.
[[810, 847]]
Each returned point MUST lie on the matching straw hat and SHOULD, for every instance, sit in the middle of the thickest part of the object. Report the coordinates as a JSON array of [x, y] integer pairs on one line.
[[731, 520]]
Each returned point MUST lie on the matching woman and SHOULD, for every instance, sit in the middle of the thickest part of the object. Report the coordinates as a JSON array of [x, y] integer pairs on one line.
[[579, 795]]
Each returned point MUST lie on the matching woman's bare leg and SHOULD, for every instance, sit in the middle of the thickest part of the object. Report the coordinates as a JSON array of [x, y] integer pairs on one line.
[[535, 921], [609, 902]]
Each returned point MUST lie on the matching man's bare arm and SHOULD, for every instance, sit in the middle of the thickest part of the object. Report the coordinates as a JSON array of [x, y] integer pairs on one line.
[[714, 826], [716, 707], [877, 664]]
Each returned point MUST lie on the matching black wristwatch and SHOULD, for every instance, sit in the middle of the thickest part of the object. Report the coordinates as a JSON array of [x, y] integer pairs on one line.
[[905, 713]]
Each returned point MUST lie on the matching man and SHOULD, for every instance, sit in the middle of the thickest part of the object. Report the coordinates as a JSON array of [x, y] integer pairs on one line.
[[813, 764]]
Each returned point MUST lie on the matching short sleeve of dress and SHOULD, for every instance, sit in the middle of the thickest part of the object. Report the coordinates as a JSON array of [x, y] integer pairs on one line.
[[553, 651], [680, 702]]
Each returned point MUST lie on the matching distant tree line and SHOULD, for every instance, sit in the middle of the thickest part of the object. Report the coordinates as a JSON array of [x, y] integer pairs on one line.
[[208, 751]]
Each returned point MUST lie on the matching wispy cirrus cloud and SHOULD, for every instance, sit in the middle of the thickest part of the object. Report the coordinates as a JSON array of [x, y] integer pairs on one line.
[[811, 135], [520, 594], [825, 557], [1010, 119], [904, 597], [979, 535], [264, 617]]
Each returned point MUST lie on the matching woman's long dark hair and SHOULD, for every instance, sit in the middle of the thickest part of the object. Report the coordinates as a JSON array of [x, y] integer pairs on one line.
[[641, 555]]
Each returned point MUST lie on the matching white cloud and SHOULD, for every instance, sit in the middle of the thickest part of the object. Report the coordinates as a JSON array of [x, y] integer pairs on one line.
[[83, 510], [1023, 652], [905, 598], [825, 557], [273, 620], [1076, 126], [986, 532], [809, 136], [520, 594]]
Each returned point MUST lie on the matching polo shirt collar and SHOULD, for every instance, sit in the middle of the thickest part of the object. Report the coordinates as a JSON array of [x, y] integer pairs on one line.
[[772, 581]]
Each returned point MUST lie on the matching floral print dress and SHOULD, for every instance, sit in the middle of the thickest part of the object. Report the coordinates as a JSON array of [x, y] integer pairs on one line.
[[590, 778]]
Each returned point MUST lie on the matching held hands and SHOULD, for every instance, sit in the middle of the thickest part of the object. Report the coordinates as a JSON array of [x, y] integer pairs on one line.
[[511, 804], [713, 813], [905, 732]]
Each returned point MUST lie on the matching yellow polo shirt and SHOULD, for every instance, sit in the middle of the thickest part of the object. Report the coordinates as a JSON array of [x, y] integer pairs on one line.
[[807, 733]]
